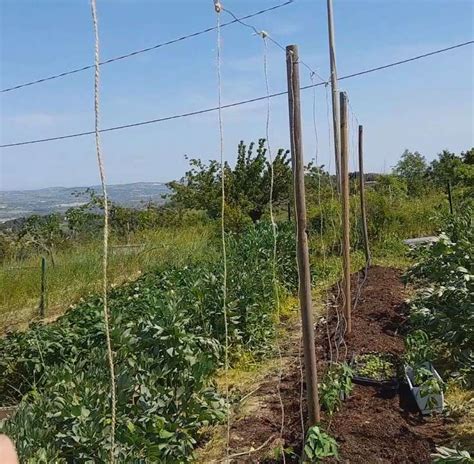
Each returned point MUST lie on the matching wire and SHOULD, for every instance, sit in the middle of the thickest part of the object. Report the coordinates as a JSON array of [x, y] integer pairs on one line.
[[266, 35], [231, 105], [407, 60], [144, 50]]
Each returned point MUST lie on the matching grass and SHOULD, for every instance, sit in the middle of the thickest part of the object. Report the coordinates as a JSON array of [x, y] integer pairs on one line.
[[460, 409], [78, 270]]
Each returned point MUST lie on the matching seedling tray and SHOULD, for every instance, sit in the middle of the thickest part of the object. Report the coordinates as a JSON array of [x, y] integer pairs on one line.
[[389, 384], [385, 385]]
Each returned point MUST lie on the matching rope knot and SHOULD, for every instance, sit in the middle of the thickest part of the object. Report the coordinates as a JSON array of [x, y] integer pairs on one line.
[[217, 6]]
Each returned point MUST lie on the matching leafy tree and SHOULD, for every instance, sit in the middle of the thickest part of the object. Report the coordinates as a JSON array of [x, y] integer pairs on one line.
[[457, 169], [318, 180], [391, 185], [247, 184], [413, 168], [447, 168], [85, 220], [468, 156]]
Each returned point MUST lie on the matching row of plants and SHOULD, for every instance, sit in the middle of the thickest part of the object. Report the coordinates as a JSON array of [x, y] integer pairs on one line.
[[442, 307], [168, 339], [442, 322]]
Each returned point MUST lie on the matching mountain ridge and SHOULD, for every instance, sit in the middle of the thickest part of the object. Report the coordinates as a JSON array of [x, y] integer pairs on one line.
[[15, 204]]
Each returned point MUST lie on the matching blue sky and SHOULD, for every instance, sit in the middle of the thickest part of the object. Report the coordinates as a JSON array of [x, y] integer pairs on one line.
[[426, 105]]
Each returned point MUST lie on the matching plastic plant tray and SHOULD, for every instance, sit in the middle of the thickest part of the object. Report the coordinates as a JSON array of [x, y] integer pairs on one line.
[[390, 384]]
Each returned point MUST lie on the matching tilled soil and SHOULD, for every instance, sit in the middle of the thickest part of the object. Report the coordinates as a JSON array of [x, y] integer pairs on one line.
[[371, 427]]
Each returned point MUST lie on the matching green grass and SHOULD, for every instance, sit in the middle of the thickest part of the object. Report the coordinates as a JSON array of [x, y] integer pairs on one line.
[[78, 270]]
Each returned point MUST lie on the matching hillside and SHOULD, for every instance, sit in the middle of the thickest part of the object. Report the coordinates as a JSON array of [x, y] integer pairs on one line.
[[20, 203]]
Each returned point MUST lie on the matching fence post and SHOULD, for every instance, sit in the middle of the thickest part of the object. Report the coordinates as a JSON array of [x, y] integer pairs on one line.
[[305, 297], [362, 196], [450, 198], [42, 305], [345, 211]]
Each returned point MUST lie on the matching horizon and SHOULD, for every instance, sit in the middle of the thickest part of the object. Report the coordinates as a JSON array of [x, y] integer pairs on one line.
[[426, 105], [384, 171]]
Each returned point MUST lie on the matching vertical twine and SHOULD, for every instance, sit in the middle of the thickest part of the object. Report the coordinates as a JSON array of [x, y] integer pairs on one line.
[[321, 222], [274, 233], [100, 163], [224, 252]]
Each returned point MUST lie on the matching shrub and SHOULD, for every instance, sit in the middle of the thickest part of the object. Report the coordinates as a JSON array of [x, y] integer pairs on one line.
[[443, 307]]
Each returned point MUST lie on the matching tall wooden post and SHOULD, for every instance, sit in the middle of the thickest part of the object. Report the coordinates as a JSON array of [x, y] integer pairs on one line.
[[450, 198], [362, 196], [334, 93], [42, 305], [345, 210], [306, 304]]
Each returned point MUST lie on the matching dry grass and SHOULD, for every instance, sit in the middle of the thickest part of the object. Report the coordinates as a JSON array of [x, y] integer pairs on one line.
[[460, 409]]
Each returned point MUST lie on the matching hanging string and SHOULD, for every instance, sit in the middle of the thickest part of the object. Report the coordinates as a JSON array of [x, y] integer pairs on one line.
[[321, 213], [355, 126], [302, 421], [218, 9], [100, 163], [264, 36], [339, 329], [271, 39]]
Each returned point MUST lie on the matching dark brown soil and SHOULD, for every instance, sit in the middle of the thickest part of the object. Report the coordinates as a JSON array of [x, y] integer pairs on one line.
[[371, 427]]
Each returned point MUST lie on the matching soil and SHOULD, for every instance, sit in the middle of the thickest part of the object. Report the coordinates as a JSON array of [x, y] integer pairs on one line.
[[371, 427]]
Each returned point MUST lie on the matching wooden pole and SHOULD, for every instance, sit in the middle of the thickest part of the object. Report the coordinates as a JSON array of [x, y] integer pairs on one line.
[[450, 198], [345, 211], [362, 196], [334, 93], [42, 305], [305, 298]]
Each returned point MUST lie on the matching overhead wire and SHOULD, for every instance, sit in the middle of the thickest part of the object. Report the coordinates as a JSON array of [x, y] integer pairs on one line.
[[144, 50], [274, 41], [229, 105]]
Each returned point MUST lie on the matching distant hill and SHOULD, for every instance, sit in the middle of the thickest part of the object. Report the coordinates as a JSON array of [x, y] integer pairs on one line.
[[21, 203]]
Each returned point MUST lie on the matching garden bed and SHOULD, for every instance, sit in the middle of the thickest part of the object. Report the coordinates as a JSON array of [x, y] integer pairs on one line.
[[372, 425]]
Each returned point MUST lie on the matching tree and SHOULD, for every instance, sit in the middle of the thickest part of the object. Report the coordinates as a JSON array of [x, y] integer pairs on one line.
[[413, 168], [447, 168], [389, 184], [43, 233], [247, 191], [468, 156], [83, 221]]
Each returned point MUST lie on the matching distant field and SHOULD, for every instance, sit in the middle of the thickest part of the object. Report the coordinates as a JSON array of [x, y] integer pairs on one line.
[[78, 270]]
